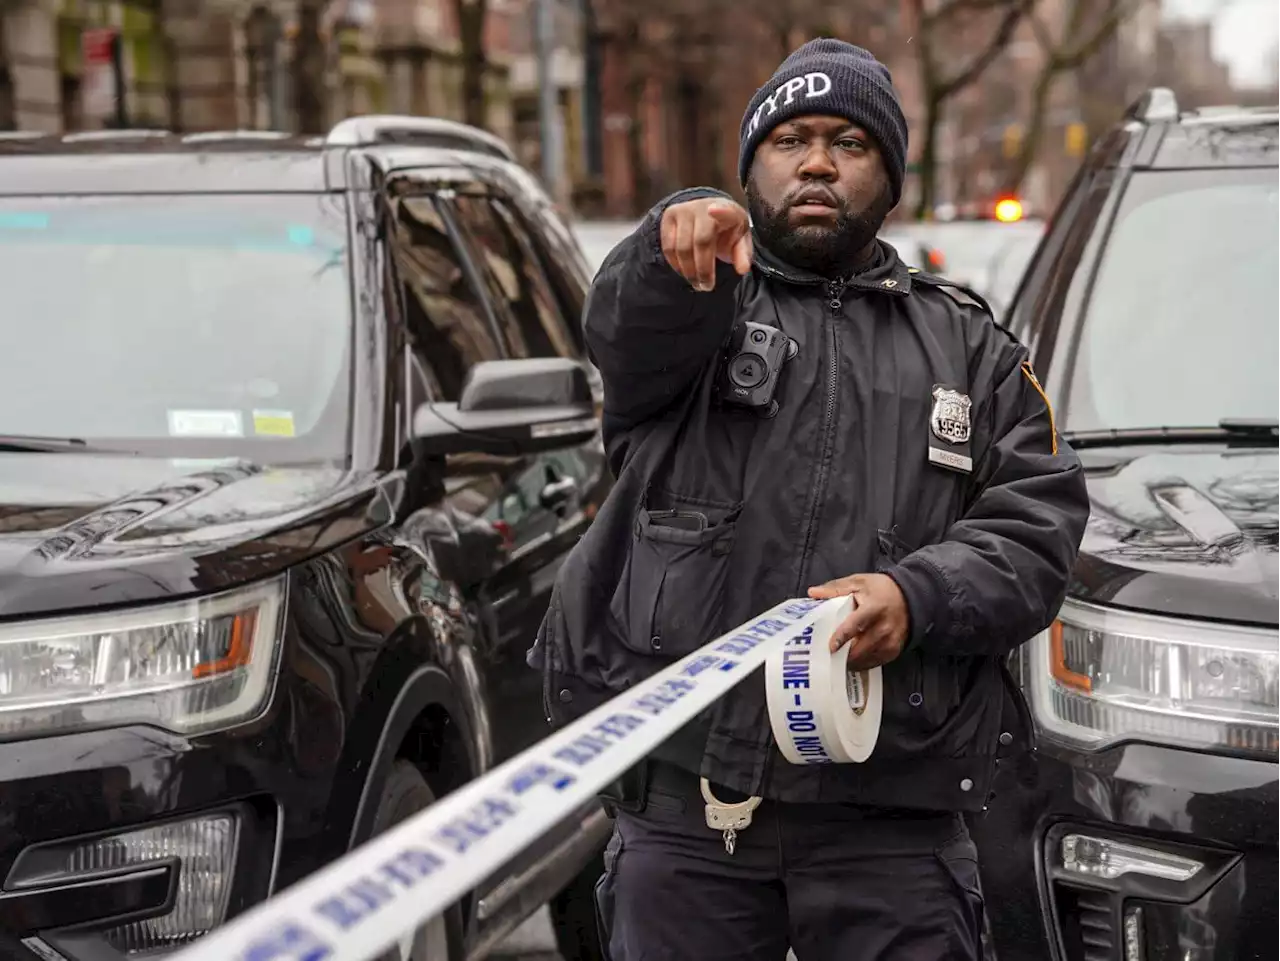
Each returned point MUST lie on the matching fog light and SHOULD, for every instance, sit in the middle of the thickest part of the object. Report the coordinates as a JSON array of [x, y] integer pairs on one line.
[[205, 848], [1110, 859], [1133, 946]]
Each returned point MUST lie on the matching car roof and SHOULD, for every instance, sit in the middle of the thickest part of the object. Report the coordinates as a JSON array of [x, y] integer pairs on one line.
[[1157, 134], [229, 161], [1228, 140]]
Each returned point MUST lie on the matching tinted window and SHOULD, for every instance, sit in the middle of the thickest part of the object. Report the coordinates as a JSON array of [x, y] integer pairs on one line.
[[197, 325], [445, 317], [566, 269], [1181, 327], [527, 309]]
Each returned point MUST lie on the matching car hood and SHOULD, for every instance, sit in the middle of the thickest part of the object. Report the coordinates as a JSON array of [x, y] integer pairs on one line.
[[79, 531], [1186, 533]]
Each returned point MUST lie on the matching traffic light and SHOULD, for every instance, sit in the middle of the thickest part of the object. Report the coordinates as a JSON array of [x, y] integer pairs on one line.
[[1012, 140], [1077, 139]]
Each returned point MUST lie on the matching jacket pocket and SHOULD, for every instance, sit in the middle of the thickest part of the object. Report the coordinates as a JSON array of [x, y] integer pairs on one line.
[[892, 549], [671, 594]]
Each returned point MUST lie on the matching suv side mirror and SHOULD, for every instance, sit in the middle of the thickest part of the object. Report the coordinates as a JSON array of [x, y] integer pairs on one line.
[[511, 407]]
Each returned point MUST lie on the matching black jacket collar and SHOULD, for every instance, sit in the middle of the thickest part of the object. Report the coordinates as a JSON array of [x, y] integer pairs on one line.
[[889, 275]]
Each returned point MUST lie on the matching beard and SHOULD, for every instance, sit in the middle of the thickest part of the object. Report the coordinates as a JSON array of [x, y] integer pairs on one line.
[[828, 251]]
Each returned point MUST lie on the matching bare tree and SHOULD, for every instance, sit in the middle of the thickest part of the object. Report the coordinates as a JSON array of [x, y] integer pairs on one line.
[[939, 28], [470, 16], [310, 68], [704, 58], [8, 95], [1088, 25]]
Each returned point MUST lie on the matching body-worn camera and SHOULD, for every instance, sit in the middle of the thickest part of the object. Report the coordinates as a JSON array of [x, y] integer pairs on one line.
[[752, 362]]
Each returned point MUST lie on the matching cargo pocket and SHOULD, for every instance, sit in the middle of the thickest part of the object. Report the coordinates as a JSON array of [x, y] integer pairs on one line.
[[959, 859], [605, 896], [669, 600]]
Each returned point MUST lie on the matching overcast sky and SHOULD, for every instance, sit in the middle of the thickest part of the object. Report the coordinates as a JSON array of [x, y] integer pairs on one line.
[[1245, 33]]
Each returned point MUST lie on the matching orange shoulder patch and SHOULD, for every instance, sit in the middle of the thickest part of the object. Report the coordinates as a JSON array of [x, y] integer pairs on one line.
[[1035, 382]]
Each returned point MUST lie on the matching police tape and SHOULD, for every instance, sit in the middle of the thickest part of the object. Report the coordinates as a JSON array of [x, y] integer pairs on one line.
[[819, 710], [359, 905]]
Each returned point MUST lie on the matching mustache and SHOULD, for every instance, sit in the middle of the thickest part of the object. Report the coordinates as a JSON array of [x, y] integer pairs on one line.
[[811, 192]]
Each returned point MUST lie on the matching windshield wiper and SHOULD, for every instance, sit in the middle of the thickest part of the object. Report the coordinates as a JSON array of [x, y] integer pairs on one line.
[[29, 444], [1260, 431]]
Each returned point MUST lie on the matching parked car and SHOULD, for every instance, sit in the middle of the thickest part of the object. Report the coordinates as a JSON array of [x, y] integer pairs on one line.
[[1144, 825], [987, 256], [296, 433]]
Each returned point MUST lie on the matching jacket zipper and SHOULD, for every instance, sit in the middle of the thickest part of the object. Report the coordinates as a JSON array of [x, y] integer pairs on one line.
[[835, 289]]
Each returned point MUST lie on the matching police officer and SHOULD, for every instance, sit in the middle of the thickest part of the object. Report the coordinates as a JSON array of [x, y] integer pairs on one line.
[[904, 454]]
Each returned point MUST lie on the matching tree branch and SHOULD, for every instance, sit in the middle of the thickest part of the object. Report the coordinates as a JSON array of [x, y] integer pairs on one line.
[[999, 40], [1073, 60], [930, 18]]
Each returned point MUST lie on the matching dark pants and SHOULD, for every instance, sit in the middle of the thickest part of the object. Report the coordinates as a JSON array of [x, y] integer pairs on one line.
[[830, 881]]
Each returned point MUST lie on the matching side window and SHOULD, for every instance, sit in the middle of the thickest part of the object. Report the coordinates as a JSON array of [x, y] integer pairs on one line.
[[1051, 292], [445, 317], [566, 267], [420, 386], [527, 309], [1023, 314]]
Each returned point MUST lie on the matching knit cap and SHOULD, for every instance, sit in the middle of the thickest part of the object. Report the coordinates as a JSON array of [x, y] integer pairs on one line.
[[836, 79]]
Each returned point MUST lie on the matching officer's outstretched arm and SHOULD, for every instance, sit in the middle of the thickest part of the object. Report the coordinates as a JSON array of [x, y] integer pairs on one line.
[[1000, 575], [648, 330]]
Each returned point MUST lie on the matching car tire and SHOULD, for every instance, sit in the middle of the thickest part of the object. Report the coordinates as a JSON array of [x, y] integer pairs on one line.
[[405, 794]]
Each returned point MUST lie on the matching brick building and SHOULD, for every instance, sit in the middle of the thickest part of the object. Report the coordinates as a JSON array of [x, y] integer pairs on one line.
[[222, 64]]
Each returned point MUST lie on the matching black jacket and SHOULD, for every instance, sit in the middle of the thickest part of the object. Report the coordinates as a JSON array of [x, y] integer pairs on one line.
[[838, 482]]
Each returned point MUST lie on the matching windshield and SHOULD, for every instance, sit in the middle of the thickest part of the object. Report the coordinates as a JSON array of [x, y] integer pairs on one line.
[[185, 326], [1181, 329]]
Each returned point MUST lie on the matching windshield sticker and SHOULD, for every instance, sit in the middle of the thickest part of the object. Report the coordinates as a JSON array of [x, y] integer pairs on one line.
[[273, 423], [205, 423], [20, 220]]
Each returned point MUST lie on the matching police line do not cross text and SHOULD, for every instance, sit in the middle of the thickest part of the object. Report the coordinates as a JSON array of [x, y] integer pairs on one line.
[[359, 905]]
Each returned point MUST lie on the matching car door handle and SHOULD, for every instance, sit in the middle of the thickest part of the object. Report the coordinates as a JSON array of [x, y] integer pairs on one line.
[[558, 493]]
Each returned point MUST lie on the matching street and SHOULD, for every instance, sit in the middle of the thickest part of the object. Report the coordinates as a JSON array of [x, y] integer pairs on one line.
[[532, 941], [535, 941]]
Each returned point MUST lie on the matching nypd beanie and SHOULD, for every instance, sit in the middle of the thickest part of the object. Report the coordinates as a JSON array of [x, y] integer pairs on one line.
[[837, 79]]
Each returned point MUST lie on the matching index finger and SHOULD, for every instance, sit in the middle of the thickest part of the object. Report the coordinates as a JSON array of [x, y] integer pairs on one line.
[[863, 616], [726, 214], [742, 254]]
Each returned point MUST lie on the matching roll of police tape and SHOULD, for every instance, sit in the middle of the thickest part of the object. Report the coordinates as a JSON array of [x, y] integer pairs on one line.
[[820, 711], [359, 905]]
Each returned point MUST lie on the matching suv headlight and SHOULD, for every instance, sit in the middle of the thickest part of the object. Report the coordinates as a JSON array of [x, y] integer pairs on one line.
[[1099, 676], [188, 667]]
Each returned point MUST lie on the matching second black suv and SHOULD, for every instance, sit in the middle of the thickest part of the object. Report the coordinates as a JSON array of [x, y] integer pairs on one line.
[[1144, 827], [296, 433]]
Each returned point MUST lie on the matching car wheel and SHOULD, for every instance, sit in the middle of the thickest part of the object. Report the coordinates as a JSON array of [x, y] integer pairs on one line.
[[440, 939]]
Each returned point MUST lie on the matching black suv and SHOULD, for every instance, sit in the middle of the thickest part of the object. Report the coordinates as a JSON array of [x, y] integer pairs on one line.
[[1144, 826], [296, 432]]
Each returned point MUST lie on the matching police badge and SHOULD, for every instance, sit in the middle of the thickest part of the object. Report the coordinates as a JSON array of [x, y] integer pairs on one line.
[[950, 424]]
